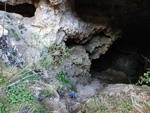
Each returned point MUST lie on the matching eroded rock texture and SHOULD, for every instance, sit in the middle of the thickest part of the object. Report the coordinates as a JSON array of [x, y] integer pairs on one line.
[[10, 53], [93, 24]]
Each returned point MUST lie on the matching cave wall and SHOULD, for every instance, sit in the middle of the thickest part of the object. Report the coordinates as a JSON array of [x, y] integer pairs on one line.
[[95, 25]]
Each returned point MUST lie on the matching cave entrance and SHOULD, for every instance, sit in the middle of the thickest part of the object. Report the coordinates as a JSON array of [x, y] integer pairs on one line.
[[124, 61], [26, 10]]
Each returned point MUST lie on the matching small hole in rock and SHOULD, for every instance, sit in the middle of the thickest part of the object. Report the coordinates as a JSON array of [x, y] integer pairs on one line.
[[26, 10]]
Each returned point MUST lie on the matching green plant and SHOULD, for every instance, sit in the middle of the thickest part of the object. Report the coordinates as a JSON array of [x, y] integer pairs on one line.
[[55, 56], [21, 32], [62, 77], [4, 108], [12, 30], [15, 86], [19, 97], [46, 92], [124, 104], [146, 76], [96, 106], [17, 94], [16, 37], [9, 23], [1, 74], [21, 26], [9, 16], [15, 53]]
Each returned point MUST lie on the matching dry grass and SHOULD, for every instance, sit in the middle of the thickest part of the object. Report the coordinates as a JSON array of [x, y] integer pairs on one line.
[[131, 102]]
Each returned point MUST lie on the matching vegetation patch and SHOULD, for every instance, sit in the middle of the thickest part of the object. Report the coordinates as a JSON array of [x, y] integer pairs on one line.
[[130, 102]]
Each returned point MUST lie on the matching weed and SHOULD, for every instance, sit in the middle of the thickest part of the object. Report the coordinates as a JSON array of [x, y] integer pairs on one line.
[[62, 77], [4, 108], [12, 30], [10, 57], [21, 26], [21, 32], [46, 92], [96, 106], [145, 78], [9, 23], [9, 16], [124, 104], [15, 53], [55, 57], [17, 94], [17, 38], [13, 88]]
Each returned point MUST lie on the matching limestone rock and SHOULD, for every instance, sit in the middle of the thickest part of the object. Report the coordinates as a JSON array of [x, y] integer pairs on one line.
[[54, 22], [79, 70], [10, 53], [56, 2], [98, 45], [3, 31], [15, 2], [54, 104]]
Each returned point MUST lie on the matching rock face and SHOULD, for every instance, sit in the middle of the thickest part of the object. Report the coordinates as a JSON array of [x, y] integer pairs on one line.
[[125, 61], [94, 25], [54, 22], [10, 53], [99, 44], [79, 70]]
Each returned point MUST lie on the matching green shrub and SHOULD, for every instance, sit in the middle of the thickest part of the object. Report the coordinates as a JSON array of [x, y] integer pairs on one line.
[[55, 56], [62, 77], [18, 94], [46, 92], [146, 76], [4, 108], [21, 26]]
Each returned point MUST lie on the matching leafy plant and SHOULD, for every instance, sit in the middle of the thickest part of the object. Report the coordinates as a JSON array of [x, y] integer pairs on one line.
[[21, 32], [146, 76], [9, 23], [17, 94], [9, 16], [62, 77], [46, 92], [4, 108], [21, 26], [16, 37], [55, 56]]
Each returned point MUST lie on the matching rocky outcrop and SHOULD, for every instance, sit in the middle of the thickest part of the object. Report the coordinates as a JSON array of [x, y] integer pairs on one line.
[[10, 53], [79, 69], [99, 44], [94, 25], [60, 22], [54, 22]]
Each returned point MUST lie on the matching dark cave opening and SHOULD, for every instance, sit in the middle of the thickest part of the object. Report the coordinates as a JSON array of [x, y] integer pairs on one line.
[[124, 61], [26, 10]]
